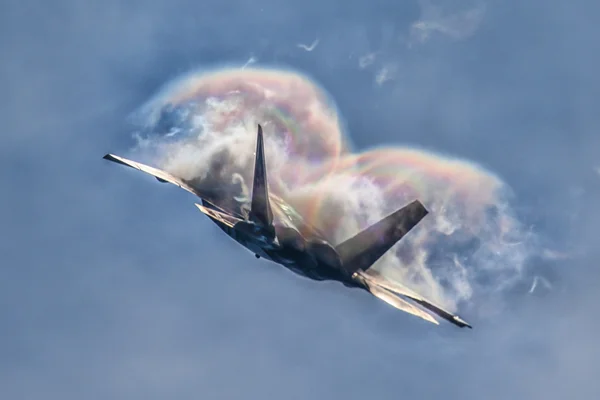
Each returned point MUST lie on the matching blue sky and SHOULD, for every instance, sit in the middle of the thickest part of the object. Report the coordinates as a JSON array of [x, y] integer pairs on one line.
[[115, 287]]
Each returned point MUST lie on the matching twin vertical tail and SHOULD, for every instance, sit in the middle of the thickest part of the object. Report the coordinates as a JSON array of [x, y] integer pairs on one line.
[[360, 252], [260, 209]]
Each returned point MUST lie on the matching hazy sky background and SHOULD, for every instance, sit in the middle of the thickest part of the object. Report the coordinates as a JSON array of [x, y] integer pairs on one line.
[[113, 286]]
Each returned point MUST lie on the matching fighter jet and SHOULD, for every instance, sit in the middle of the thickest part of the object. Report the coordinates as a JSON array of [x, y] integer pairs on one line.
[[271, 229]]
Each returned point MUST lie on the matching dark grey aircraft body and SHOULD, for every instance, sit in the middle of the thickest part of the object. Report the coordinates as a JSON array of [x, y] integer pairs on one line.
[[271, 229]]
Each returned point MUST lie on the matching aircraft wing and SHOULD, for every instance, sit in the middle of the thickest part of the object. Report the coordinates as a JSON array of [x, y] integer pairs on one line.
[[400, 304], [216, 215], [160, 175], [401, 290]]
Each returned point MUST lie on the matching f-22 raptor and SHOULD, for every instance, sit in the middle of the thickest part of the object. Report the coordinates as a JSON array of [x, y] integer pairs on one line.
[[270, 228]]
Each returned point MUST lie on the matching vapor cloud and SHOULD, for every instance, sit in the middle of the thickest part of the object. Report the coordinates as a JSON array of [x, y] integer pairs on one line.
[[436, 19], [202, 128], [115, 287]]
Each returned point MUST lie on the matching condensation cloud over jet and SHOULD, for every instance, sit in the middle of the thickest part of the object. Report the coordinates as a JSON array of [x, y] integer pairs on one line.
[[200, 132]]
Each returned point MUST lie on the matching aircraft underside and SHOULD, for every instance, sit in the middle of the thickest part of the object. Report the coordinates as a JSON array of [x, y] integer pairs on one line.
[[299, 262]]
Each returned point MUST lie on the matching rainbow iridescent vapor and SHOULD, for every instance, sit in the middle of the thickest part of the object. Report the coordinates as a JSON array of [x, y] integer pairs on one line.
[[200, 132]]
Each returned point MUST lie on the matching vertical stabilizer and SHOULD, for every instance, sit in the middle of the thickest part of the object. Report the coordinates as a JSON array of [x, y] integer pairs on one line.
[[260, 209], [366, 247]]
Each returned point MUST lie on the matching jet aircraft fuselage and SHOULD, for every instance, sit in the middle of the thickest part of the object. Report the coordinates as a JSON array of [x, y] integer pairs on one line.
[[270, 228], [314, 259]]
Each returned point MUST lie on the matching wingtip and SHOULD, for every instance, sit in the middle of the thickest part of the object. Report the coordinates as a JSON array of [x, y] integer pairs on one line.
[[115, 159], [461, 322], [111, 157]]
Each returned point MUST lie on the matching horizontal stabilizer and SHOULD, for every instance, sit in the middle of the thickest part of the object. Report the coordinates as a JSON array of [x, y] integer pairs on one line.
[[366, 247], [162, 176], [260, 209]]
